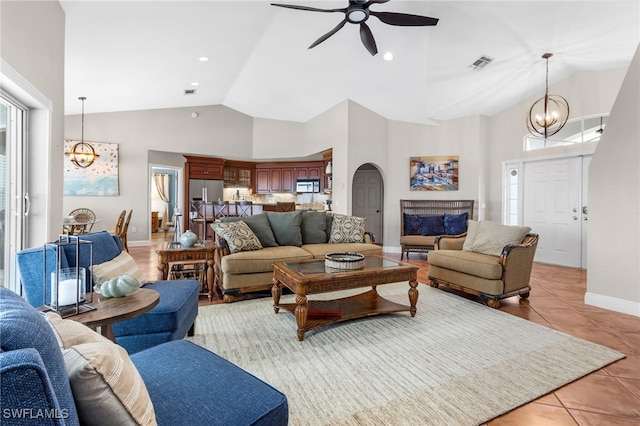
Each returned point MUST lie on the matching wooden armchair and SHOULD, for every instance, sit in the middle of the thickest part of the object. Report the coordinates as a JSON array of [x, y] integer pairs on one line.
[[490, 277]]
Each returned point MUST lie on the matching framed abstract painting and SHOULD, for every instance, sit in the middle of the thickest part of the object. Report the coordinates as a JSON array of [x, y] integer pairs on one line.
[[434, 173], [99, 179]]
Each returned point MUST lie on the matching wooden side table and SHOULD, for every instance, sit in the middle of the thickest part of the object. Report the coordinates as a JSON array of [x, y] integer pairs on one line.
[[187, 255], [115, 309]]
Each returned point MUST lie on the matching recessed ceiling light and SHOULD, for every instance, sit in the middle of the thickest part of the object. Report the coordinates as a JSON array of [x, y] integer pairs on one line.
[[203, 59], [195, 83], [388, 56]]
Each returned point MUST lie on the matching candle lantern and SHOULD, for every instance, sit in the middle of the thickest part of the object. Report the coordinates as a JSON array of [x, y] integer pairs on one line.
[[65, 292]]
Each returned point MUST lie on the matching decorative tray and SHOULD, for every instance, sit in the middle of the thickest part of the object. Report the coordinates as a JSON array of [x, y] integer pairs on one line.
[[344, 261]]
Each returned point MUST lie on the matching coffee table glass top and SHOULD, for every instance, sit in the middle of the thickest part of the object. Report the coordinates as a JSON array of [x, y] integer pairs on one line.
[[318, 267]]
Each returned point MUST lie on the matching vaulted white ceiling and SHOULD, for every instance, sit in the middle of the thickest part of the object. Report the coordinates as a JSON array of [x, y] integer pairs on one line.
[[130, 55]]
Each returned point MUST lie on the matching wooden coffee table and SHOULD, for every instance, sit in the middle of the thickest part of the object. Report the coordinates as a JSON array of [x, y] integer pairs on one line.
[[115, 309], [310, 277]]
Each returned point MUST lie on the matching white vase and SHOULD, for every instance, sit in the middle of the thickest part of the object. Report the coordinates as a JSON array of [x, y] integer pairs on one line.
[[188, 238]]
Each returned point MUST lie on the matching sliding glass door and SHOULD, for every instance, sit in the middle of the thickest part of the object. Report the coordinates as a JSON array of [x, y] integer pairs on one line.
[[14, 202]]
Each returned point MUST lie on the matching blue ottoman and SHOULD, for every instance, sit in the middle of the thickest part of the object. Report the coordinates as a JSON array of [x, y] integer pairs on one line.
[[171, 319]]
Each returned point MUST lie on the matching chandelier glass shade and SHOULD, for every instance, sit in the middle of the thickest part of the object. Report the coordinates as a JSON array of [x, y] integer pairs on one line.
[[82, 154], [548, 114]]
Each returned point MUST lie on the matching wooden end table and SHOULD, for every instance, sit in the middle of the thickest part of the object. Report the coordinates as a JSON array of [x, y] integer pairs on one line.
[[187, 255], [115, 309], [310, 277]]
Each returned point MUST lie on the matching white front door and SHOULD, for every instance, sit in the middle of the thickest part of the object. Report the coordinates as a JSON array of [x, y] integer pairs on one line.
[[553, 208], [367, 200]]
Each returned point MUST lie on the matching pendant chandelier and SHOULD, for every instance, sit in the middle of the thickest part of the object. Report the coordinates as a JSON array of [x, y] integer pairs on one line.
[[82, 154], [548, 114]]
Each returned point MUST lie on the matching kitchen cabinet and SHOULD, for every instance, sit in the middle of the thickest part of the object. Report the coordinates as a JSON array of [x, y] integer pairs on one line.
[[281, 177], [204, 168], [238, 174]]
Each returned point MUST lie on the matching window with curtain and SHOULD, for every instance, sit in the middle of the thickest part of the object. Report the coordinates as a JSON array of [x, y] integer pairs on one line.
[[161, 184]]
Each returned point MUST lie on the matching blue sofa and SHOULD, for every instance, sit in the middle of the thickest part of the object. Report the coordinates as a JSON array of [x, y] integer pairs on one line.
[[188, 385], [171, 319]]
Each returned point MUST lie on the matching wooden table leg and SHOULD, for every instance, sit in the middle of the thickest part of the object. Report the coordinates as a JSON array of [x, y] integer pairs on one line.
[[210, 278], [107, 331], [276, 292], [413, 296], [302, 309], [163, 268]]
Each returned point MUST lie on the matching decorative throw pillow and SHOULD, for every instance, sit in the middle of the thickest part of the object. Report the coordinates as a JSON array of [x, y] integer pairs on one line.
[[238, 235], [491, 237], [412, 224], [313, 228], [432, 225], [260, 226], [286, 227], [70, 333], [120, 265], [347, 229], [106, 386], [455, 224]]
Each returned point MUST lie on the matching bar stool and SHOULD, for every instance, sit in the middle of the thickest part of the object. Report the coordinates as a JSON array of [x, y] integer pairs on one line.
[[244, 208], [220, 209]]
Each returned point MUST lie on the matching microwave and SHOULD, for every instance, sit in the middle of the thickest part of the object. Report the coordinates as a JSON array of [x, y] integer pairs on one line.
[[308, 185]]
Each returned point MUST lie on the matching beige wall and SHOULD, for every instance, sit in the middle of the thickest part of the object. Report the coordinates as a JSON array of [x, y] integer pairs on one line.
[[32, 51], [613, 277]]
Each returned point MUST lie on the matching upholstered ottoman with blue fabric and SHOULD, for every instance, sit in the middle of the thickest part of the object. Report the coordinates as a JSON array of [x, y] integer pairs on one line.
[[171, 319], [177, 382]]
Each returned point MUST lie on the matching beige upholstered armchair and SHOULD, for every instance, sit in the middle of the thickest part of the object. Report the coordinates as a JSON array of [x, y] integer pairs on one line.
[[479, 263]]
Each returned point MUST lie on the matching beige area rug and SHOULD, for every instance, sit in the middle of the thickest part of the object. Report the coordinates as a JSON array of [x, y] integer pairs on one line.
[[455, 363]]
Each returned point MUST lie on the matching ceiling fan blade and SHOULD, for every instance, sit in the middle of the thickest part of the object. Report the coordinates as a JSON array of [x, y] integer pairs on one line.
[[312, 9], [367, 39], [329, 34], [404, 19], [370, 2]]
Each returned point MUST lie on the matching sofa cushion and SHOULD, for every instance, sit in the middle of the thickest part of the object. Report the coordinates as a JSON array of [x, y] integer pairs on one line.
[[347, 229], [432, 225], [261, 260], [411, 223], [70, 333], [239, 397], [455, 224], [30, 265], [320, 250], [468, 262], [106, 386], [314, 228], [418, 240], [238, 235], [120, 265], [23, 327], [490, 237], [260, 226], [286, 227]]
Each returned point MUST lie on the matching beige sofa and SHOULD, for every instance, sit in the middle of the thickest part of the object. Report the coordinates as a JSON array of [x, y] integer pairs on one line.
[[284, 237], [491, 261]]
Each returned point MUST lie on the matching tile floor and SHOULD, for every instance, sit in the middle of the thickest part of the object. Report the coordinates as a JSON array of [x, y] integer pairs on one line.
[[610, 396]]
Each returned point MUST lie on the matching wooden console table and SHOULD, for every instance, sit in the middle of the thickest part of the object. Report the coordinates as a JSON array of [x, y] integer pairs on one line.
[[187, 255]]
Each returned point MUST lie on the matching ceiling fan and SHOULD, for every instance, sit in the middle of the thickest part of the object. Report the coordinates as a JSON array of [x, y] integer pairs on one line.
[[358, 12]]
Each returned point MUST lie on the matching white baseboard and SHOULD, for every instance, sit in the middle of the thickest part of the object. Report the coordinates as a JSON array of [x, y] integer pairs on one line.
[[612, 304], [139, 243]]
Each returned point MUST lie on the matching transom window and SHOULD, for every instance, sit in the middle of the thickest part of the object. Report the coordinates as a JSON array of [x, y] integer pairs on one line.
[[576, 131]]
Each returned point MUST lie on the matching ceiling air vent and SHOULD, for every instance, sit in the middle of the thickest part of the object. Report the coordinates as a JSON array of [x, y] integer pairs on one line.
[[190, 91], [481, 62]]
